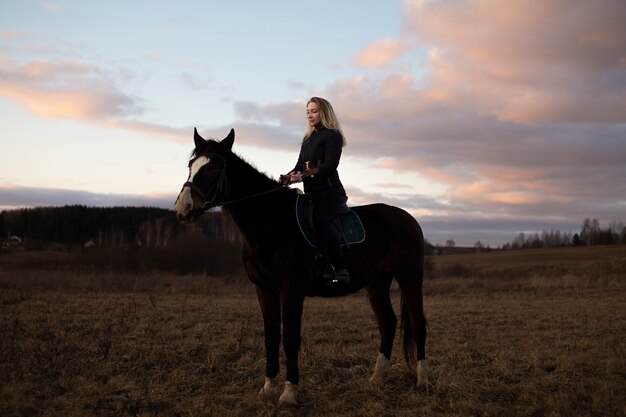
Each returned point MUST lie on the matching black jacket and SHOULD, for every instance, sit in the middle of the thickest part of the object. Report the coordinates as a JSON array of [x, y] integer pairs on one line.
[[323, 145]]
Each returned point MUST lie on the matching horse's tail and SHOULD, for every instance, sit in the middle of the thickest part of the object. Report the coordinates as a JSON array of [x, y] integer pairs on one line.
[[413, 329]]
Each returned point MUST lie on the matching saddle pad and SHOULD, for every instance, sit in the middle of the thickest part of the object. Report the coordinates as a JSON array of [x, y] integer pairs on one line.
[[351, 225]]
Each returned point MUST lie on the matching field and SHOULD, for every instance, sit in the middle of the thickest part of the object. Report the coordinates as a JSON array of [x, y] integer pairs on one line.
[[517, 333]]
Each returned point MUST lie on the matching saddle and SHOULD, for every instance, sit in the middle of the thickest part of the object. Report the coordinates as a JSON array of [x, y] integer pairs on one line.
[[348, 222]]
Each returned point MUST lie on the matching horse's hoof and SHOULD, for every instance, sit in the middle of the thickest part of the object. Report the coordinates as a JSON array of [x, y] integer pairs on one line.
[[375, 380], [422, 373], [269, 392], [288, 397], [381, 368]]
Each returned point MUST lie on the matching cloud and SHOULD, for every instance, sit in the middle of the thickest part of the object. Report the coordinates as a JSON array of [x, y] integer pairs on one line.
[[67, 89], [290, 114], [381, 53], [466, 230], [464, 224], [193, 82], [49, 6], [520, 114], [414, 202], [528, 62], [16, 197], [80, 91], [12, 34]]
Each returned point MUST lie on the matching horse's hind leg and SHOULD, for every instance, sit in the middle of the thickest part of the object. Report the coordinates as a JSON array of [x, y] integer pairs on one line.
[[380, 301], [414, 326]]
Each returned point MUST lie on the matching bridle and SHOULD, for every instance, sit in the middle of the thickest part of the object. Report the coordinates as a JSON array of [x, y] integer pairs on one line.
[[210, 198], [220, 189]]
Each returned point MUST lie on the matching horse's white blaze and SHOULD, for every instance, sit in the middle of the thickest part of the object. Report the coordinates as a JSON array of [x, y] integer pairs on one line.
[[288, 397], [195, 167], [184, 203], [422, 372], [381, 368]]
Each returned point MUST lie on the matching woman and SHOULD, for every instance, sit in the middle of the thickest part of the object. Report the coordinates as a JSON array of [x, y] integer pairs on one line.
[[317, 169]]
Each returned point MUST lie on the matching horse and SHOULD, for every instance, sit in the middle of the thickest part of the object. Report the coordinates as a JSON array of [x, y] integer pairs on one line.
[[282, 266]]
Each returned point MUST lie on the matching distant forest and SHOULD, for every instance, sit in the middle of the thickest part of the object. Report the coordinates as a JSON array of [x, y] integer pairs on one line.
[[128, 239], [107, 227], [591, 234]]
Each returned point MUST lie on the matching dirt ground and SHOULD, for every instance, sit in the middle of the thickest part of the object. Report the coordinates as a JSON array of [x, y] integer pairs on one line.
[[524, 333]]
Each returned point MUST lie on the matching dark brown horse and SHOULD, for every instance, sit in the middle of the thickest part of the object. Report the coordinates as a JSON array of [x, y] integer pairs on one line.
[[280, 263]]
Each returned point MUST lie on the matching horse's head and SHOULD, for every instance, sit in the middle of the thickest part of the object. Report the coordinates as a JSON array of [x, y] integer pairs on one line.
[[206, 183]]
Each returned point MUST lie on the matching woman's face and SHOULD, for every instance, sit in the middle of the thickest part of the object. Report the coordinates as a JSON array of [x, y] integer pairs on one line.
[[313, 114]]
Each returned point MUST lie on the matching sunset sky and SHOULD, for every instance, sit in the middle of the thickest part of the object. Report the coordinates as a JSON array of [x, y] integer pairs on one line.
[[482, 118]]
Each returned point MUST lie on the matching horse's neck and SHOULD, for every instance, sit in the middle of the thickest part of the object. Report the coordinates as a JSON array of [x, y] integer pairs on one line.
[[256, 214], [243, 180]]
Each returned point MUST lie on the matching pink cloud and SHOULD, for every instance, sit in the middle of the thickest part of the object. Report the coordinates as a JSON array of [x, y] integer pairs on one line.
[[58, 104], [521, 110], [72, 90], [381, 53], [79, 91], [49, 6], [550, 61], [12, 34]]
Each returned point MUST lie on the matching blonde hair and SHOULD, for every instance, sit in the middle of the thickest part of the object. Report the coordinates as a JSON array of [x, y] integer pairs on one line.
[[328, 118]]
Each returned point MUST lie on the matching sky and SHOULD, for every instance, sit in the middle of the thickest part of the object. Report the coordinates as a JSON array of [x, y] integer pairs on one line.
[[482, 118]]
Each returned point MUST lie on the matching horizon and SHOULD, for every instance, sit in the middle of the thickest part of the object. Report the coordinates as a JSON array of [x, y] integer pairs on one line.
[[519, 127], [483, 245]]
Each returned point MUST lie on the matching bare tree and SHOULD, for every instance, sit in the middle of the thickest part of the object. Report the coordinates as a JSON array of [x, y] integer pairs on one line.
[[616, 228]]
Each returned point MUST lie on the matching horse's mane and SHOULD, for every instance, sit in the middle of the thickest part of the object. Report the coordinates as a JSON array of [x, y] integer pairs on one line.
[[238, 157]]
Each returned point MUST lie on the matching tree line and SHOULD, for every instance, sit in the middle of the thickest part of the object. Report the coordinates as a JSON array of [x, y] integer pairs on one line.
[[150, 227], [78, 225], [591, 234], [126, 239]]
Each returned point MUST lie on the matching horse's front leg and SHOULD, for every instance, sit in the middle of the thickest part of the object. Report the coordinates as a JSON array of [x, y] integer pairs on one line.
[[270, 307], [292, 302]]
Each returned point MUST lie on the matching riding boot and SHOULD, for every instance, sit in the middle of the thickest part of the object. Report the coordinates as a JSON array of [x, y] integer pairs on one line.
[[330, 236]]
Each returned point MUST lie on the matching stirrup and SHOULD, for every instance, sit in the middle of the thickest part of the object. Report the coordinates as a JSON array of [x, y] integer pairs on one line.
[[334, 276], [342, 277]]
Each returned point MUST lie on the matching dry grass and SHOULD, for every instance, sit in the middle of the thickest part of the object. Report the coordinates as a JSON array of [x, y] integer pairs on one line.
[[536, 333]]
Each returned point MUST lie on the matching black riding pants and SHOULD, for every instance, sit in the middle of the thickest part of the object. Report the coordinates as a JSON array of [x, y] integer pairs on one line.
[[326, 207]]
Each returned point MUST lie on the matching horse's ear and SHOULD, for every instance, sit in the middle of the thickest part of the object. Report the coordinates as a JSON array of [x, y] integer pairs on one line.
[[197, 139], [229, 140]]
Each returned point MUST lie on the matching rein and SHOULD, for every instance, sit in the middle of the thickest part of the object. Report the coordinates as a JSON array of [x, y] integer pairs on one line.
[[221, 187], [209, 205]]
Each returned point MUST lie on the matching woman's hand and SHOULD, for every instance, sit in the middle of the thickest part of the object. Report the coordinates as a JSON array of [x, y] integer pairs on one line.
[[295, 177], [290, 178], [284, 179]]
